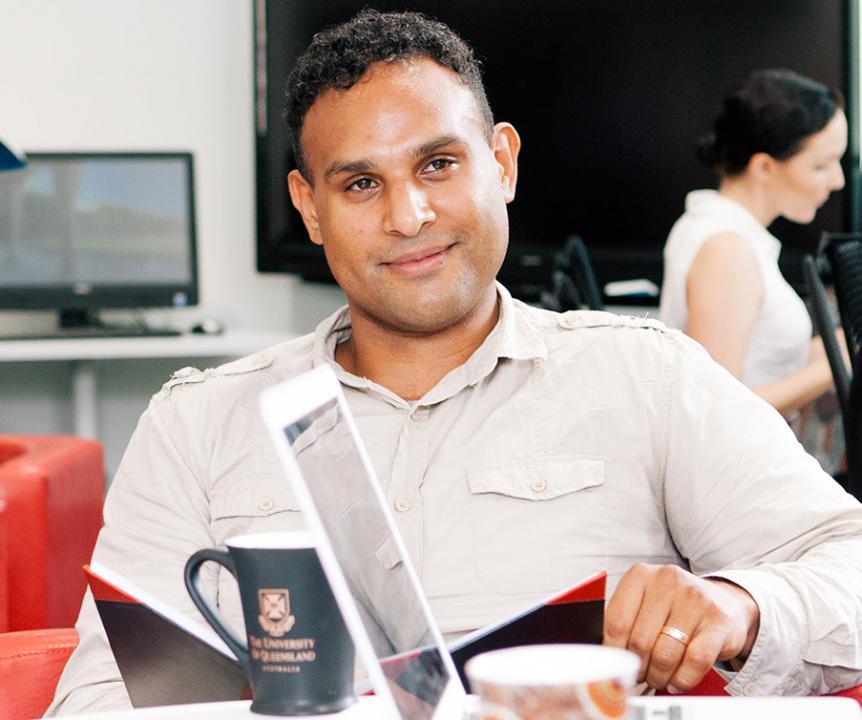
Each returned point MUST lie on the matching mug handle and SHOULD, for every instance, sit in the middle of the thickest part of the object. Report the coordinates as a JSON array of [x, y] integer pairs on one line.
[[211, 615]]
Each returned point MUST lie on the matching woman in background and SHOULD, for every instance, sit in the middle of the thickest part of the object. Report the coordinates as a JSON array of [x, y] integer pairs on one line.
[[777, 146]]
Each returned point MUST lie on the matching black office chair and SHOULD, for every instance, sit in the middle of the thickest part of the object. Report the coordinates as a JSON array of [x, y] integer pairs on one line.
[[573, 282], [843, 253], [821, 314]]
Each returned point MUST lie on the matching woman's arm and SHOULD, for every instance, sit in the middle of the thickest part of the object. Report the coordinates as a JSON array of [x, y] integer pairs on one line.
[[724, 290], [798, 389]]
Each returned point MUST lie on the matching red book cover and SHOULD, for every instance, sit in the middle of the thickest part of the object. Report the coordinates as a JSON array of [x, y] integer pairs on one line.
[[164, 657], [575, 615], [167, 659]]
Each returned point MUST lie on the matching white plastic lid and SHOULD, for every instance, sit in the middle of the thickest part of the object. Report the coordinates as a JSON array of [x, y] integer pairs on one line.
[[544, 665]]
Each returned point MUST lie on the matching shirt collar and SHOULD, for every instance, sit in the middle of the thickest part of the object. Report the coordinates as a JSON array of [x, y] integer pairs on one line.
[[514, 337]]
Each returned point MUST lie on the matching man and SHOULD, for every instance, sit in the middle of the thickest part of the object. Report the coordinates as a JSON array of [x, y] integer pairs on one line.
[[520, 449]]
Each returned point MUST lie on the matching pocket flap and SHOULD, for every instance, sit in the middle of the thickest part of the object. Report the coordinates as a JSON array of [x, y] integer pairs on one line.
[[538, 478], [252, 497], [388, 554]]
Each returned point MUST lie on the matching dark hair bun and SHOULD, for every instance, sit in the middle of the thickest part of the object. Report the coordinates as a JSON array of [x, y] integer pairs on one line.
[[771, 111]]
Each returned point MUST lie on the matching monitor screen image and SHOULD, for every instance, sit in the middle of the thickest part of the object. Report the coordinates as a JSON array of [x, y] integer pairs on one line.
[[83, 231]]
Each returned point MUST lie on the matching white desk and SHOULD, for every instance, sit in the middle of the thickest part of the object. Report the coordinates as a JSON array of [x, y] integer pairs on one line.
[[367, 708], [84, 353], [640, 708]]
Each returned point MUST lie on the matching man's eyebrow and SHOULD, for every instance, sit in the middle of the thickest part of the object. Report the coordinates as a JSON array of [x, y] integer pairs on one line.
[[357, 166], [435, 145], [362, 166]]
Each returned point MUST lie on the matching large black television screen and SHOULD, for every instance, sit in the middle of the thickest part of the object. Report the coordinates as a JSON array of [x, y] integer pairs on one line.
[[609, 96]]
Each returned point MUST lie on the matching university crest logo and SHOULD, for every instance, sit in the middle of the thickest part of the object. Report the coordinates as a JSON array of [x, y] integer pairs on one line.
[[275, 617]]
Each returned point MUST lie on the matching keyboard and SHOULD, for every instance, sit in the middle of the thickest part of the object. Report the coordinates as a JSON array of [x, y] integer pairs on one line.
[[96, 331]]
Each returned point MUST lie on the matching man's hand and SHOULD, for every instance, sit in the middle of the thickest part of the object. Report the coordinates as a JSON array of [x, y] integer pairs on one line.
[[720, 620]]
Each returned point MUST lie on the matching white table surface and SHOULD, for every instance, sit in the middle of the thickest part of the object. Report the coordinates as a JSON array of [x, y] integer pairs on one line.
[[84, 354], [642, 708], [231, 343], [367, 708]]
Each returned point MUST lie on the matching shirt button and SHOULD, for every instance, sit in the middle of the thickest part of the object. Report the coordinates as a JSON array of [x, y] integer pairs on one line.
[[420, 414], [750, 689], [402, 505], [265, 504], [539, 486]]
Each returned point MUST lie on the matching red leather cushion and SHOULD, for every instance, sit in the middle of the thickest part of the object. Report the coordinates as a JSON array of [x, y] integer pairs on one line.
[[4, 566], [30, 665], [54, 488]]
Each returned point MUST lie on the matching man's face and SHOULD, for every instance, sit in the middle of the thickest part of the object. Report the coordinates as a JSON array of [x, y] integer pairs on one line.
[[406, 195]]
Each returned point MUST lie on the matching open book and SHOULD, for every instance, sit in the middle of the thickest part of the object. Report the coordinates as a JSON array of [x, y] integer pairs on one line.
[[166, 658]]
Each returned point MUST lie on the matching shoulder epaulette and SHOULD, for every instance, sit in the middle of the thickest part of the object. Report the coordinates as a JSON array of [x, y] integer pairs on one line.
[[192, 375]]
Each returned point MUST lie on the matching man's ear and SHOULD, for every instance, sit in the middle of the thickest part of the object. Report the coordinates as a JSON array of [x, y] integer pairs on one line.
[[506, 144], [302, 196]]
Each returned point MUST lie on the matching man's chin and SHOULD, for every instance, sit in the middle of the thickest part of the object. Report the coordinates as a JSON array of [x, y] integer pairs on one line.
[[426, 317]]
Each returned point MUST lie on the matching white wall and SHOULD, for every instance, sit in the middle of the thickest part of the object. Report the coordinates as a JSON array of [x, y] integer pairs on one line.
[[144, 75]]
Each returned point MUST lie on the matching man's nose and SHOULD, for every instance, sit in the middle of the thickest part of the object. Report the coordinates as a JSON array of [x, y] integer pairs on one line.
[[408, 209]]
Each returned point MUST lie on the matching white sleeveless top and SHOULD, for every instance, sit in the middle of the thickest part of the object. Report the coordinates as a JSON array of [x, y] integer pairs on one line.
[[781, 333]]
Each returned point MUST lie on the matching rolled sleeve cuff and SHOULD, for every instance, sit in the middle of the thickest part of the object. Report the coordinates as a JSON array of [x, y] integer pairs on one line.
[[774, 666]]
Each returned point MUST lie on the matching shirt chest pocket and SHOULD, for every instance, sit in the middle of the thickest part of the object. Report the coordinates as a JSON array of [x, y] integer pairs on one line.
[[539, 524], [249, 504]]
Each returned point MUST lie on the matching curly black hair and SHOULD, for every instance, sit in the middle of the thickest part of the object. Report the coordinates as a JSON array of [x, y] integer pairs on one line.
[[338, 56], [771, 111]]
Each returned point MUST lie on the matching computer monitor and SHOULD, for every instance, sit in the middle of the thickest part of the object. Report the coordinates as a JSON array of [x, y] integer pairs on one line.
[[82, 231]]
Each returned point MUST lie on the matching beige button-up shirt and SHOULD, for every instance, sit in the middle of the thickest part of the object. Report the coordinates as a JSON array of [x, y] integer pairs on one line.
[[565, 445]]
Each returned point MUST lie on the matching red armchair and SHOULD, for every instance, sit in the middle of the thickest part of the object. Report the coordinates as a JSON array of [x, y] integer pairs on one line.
[[30, 665], [53, 488]]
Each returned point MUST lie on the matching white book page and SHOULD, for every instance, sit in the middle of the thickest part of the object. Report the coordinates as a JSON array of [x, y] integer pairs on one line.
[[169, 613]]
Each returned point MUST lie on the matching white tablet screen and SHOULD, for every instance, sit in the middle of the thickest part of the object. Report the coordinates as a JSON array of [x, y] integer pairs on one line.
[[359, 531]]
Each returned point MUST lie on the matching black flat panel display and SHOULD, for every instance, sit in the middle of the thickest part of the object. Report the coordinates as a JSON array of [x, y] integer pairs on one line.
[[81, 231], [609, 97]]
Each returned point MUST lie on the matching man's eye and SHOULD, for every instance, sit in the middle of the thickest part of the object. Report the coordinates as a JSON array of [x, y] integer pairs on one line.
[[361, 184], [439, 164]]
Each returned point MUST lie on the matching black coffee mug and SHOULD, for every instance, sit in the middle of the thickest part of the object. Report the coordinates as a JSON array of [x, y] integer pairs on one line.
[[299, 656]]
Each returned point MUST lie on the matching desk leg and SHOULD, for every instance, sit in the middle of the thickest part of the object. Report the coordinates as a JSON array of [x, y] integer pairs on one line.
[[84, 399]]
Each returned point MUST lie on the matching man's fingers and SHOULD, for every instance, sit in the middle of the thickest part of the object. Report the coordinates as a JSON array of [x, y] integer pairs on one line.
[[641, 623], [700, 655], [668, 652], [623, 607]]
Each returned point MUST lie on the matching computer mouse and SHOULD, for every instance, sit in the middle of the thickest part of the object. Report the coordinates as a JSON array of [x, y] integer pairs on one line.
[[208, 326]]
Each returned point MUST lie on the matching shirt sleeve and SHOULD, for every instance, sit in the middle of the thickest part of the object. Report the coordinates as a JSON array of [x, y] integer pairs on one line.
[[156, 515], [746, 503]]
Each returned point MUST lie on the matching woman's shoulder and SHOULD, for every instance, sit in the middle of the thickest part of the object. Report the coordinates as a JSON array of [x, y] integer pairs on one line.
[[707, 215]]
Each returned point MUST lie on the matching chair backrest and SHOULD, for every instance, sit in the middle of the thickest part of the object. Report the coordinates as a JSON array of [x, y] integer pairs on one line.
[[821, 314], [30, 665], [853, 435], [845, 258], [53, 488], [573, 282], [575, 260]]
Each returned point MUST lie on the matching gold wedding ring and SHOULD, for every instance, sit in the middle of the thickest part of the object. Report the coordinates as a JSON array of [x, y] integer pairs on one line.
[[675, 633]]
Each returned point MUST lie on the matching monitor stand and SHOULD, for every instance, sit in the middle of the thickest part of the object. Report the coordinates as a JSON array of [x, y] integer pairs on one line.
[[79, 323]]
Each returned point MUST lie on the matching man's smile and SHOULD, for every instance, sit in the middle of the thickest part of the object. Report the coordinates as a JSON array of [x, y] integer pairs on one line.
[[417, 262]]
